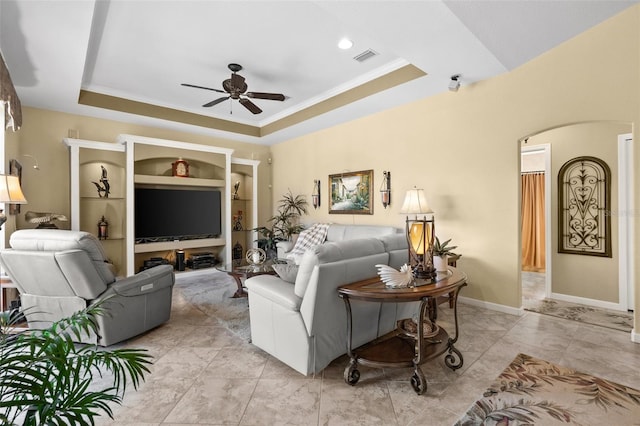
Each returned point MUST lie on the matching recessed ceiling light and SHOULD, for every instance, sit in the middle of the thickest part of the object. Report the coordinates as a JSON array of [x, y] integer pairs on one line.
[[345, 44]]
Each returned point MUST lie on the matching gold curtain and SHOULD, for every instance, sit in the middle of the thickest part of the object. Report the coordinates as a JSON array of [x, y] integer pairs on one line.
[[533, 226]]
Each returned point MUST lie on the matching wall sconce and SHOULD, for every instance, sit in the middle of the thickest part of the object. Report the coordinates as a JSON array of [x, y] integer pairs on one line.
[[420, 233], [10, 192], [315, 194], [385, 189], [35, 160]]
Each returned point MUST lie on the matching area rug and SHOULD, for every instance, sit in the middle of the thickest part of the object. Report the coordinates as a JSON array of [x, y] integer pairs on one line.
[[210, 291], [534, 301], [532, 391], [616, 320]]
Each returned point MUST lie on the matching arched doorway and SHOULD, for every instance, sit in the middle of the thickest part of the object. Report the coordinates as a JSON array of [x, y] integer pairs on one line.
[[605, 283]]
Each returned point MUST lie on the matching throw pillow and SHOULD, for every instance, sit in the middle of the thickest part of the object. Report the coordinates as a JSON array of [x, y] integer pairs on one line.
[[287, 271]]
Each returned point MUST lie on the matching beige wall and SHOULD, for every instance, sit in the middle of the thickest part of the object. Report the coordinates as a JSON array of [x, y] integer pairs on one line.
[[463, 149], [577, 275]]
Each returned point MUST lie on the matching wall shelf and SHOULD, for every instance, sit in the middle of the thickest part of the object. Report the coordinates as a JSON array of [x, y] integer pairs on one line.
[[178, 245], [89, 198], [177, 181]]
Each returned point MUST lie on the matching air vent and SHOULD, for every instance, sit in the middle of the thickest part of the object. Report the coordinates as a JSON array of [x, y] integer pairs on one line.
[[367, 54]]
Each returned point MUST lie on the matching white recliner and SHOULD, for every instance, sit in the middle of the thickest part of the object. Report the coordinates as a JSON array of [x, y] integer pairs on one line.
[[59, 272]]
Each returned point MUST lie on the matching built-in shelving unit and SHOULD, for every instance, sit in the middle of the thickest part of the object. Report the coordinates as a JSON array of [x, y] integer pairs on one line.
[[138, 161], [91, 161], [149, 163], [244, 212]]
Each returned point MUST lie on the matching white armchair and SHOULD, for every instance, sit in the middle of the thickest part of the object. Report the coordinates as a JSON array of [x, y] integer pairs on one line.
[[60, 272]]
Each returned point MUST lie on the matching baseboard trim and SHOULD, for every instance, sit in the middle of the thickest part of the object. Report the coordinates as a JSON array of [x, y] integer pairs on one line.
[[635, 337], [589, 302], [492, 306]]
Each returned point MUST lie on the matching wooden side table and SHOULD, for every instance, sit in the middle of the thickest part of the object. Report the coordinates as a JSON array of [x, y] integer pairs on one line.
[[5, 284], [405, 347], [451, 261]]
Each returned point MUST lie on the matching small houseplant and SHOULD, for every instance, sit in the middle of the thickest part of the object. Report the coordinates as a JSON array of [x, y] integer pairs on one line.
[[285, 223], [441, 252], [46, 378]]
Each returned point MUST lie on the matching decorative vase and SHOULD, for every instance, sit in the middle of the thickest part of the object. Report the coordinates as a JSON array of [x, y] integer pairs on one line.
[[103, 229], [236, 253], [441, 263]]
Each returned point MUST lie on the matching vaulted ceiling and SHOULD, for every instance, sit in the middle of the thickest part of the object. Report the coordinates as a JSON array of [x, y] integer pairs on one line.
[[127, 60]]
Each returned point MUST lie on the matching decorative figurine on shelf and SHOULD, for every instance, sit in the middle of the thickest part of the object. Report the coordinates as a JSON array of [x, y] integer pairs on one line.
[[237, 221], [237, 254], [236, 186], [44, 220], [103, 229], [103, 187], [180, 168]]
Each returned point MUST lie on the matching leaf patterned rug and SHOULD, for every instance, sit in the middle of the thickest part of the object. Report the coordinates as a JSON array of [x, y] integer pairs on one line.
[[616, 320], [532, 391], [533, 300]]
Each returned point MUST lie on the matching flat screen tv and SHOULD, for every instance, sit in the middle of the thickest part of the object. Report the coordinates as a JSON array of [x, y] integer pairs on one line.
[[176, 214]]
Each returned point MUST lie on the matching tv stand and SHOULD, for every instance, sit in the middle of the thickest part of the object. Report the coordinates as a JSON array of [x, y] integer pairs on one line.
[[176, 239], [178, 245]]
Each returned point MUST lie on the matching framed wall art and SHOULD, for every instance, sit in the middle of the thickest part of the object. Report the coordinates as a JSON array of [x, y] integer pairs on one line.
[[584, 207], [15, 169], [351, 193]]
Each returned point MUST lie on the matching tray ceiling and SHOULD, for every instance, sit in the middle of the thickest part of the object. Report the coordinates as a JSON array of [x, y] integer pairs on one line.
[[126, 60]]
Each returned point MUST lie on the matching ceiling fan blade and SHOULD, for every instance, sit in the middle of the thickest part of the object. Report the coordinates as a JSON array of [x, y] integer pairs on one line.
[[250, 106], [216, 102], [202, 87], [269, 96]]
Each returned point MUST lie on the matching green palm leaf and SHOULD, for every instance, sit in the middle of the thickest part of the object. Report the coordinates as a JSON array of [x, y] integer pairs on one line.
[[45, 377]]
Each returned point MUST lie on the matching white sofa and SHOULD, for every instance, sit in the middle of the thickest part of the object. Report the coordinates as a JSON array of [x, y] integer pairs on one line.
[[303, 323], [342, 232]]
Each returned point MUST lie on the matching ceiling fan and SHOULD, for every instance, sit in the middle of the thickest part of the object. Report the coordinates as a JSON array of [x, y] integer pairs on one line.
[[236, 88]]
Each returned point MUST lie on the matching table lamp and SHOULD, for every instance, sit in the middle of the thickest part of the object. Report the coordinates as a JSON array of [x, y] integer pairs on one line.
[[11, 193], [420, 233]]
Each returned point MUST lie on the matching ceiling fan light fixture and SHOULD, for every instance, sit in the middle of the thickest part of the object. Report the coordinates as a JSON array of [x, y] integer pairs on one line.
[[345, 44]]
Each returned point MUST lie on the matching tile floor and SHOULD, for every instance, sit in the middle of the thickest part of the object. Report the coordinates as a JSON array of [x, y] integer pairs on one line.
[[206, 375]]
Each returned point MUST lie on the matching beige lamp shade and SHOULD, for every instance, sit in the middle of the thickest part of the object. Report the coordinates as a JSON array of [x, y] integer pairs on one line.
[[415, 202], [10, 191]]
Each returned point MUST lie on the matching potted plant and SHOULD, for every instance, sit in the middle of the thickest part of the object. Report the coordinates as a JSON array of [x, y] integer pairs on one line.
[[441, 253], [284, 224], [45, 378]]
